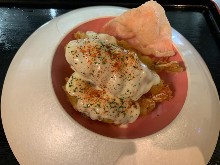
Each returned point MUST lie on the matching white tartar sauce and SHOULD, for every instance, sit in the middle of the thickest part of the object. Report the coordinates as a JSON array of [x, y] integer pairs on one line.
[[107, 79]]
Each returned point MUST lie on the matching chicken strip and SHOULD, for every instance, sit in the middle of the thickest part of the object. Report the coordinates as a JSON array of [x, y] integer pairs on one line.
[[110, 67]]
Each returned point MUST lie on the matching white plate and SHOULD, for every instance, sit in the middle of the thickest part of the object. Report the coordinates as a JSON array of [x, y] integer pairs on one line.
[[39, 131]]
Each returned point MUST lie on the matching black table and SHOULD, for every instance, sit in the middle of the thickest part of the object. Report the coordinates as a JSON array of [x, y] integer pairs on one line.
[[198, 21]]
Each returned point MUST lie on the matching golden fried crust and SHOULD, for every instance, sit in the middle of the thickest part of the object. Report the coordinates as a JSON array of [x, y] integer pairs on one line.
[[158, 93], [146, 105], [161, 92], [80, 35]]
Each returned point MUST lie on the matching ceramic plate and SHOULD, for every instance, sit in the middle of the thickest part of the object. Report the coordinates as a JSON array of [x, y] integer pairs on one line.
[[42, 130]]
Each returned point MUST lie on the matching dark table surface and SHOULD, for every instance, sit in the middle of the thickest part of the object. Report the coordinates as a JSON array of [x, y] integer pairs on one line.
[[198, 21]]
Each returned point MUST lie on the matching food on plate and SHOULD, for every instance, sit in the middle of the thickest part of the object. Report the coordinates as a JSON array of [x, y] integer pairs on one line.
[[113, 80], [145, 28], [109, 83], [101, 61], [157, 94], [107, 79]]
